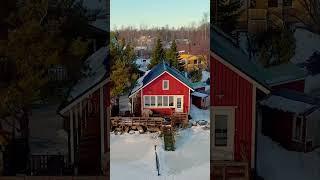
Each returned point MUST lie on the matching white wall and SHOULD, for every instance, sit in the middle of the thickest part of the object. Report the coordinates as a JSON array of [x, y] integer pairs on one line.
[[313, 127]]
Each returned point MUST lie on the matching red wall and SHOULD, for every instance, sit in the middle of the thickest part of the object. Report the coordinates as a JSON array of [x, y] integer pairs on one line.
[[295, 85], [175, 88], [237, 92]]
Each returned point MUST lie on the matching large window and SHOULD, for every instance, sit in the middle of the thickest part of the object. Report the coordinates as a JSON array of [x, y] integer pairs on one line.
[[159, 101], [221, 130]]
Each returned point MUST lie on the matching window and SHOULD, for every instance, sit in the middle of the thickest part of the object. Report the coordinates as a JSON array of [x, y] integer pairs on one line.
[[165, 101], [272, 3], [221, 130], [179, 103], [153, 101], [165, 84], [170, 100], [298, 129], [146, 100], [195, 61], [159, 101]]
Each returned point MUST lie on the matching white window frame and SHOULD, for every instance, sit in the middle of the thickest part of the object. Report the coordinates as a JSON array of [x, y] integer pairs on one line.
[[294, 129], [163, 82], [229, 149], [162, 101]]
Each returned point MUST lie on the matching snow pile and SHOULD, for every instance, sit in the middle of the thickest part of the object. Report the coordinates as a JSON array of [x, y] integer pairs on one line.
[[306, 44], [205, 76], [276, 163], [133, 156], [199, 114], [285, 104], [199, 94]]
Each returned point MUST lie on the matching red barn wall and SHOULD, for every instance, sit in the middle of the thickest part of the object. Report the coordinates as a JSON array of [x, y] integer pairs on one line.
[[175, 88], [295, 85], [237, 92]]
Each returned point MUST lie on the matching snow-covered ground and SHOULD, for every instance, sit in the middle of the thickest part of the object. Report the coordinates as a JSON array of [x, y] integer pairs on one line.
[[306, 44], [276, 163], [143, 64], [46, 131], [132, 156], [199, 114]]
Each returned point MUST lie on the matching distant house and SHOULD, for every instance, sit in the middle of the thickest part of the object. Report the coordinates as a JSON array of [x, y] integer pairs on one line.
[[236, 85], [163, 90], [292, 118], [85, 112], [192, 62]]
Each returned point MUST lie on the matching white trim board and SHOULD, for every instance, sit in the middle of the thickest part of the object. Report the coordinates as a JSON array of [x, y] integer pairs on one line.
[[157, 78], [80, 98], [241, 74]]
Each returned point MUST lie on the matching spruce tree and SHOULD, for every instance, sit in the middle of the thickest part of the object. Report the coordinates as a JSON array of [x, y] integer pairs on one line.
[[158, 54], [172, 55], [227, 15]]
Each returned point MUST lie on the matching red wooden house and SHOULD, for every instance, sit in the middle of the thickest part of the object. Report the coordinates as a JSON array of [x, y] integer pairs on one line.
[[236, 86], [163, 89], [86, 112]]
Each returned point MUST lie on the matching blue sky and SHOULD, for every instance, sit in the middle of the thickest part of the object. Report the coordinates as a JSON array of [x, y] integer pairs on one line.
[[156, 13]]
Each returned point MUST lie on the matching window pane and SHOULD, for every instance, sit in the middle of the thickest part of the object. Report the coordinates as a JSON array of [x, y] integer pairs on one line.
[[170, 100], [221, 132], [178, 102], [165, 84], [165, 101], [147, 100], [159, 100], [153, 101]]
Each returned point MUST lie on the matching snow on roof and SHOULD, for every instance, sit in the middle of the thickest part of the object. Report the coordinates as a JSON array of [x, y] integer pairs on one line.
[[306, 44], [139, 83], [284, 73], [199, 94], [94, 75], [286, 104], [158, 70]]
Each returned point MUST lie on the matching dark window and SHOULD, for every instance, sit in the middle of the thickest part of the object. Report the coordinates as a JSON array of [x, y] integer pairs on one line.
[[221, 130]]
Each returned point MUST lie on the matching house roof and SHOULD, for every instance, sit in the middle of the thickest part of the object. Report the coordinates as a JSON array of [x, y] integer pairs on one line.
[[223, 46], [292, 101], [200, 84], [155, 72], [94, 75], [284, 73]]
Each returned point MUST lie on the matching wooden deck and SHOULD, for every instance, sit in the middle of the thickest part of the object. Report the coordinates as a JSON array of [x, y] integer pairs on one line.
[[147, 123], [226, 170]]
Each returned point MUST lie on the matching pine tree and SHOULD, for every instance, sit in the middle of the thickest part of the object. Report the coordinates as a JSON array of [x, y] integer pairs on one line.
[[123, 69], [227, 15], [158, 54], [172, 55]]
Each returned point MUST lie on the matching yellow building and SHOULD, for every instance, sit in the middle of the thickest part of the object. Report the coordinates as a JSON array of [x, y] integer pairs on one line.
[[193, 62]]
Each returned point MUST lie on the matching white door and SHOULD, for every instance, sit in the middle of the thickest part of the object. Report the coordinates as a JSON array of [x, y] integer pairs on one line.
[[223, 133], [179, 104]]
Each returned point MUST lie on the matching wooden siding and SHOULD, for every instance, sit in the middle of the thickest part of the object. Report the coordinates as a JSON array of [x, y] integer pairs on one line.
[[175, 88], [232, 90]]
